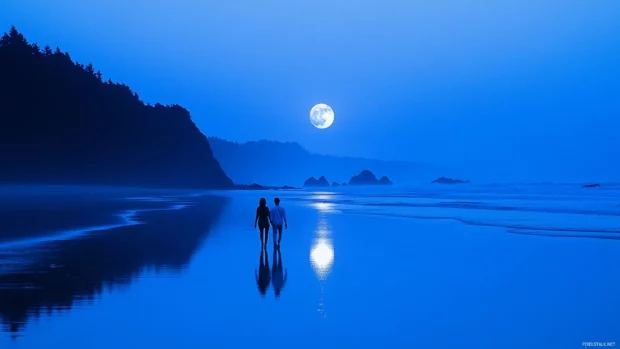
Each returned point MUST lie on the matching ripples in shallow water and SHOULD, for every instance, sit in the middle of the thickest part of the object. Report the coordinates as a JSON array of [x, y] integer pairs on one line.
[[547, 210]]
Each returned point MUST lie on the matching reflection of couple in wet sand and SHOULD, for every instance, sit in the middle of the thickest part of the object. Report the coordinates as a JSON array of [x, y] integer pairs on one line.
[[276, 276]]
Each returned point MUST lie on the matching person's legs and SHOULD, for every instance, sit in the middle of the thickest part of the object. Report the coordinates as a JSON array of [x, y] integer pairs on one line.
[[266, 234], [263, 235], [279, 234]]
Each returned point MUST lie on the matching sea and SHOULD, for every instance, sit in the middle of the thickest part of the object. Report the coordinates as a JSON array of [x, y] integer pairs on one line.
[[428, 266]]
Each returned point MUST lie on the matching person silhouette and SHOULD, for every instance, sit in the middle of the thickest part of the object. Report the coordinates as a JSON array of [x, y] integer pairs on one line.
[[263, 276], [278, 218], [278, 277], [262, 219]]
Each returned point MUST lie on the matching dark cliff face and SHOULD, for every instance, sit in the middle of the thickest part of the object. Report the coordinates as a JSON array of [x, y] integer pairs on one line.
[[60, 123]]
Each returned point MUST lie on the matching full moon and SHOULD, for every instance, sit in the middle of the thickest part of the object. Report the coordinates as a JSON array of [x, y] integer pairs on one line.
[[321, 116]]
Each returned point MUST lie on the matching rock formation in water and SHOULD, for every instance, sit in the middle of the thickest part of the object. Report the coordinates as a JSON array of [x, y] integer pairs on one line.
[[368, 178], [385, 181], [313, 182], [335, 184], [446, 180], [592, 185], [61, 123]]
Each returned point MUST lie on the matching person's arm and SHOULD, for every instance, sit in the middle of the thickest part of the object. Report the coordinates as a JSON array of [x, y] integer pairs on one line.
[[256, 274], [256, 219], [284, 279], [283, 211]]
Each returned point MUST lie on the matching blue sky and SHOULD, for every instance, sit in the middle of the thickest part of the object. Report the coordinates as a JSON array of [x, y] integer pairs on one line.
[[515, 90]]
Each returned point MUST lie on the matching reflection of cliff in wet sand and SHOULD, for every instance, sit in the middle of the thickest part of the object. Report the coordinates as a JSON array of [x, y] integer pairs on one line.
[[79, 269], [47, 212]]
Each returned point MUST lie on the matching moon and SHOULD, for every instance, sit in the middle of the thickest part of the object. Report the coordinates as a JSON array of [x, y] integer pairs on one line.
[[322, 116]]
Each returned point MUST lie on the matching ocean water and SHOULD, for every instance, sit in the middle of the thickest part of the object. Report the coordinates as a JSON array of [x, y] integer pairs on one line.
[[498, 266]]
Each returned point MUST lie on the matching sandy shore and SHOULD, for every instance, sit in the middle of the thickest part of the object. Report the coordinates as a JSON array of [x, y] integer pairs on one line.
[[354, 280]]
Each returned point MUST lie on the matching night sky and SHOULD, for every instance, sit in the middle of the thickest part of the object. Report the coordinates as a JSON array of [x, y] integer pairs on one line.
[[513, 90]]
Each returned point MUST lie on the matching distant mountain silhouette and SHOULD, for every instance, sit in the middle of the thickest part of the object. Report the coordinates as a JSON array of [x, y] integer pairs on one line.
[[313, 182], [290, 163], [255, 186], [366, 177], [61, 123], [446, 180]]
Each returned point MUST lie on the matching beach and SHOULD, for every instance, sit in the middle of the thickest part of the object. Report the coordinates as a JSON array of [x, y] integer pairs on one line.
[[364, 270]]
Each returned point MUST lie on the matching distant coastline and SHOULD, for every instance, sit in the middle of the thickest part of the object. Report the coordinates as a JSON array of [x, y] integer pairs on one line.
[[244, 163]]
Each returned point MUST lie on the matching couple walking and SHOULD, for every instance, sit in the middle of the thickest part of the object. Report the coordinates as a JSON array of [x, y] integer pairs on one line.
[[276, 216]]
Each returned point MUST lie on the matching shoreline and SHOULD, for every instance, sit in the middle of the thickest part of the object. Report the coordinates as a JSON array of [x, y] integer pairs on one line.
[[50, 216], [116, 188]]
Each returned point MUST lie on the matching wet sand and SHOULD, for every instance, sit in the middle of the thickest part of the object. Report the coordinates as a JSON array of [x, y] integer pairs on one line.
[[354, 281]]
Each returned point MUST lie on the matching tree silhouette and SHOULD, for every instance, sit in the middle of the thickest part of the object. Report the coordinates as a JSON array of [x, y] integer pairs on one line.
[[61, 123], [16, 38], [36, 50], [90, 69], [5, 40]]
